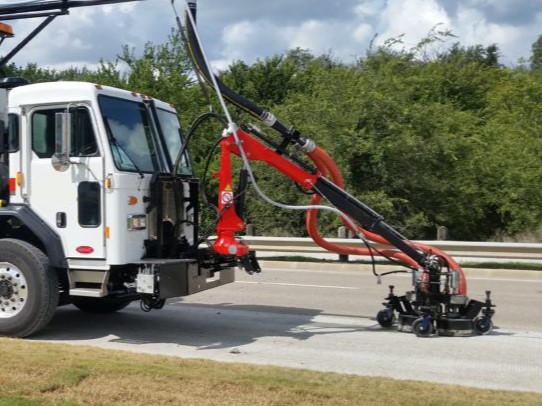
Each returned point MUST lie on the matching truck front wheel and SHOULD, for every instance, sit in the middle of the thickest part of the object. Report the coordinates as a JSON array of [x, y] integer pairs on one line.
[[28, 289]]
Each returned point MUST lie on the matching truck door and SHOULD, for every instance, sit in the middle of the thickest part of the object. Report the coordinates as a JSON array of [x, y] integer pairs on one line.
[[72, 201]]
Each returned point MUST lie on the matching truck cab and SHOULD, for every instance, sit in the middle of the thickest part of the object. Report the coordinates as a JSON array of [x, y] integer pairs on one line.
[[87, 183]]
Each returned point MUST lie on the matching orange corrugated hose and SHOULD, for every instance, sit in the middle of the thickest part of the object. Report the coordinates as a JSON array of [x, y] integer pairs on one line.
[[312, 229], [325, 165]]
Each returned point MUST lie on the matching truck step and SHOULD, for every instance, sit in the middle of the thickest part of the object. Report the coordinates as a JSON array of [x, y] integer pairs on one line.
[[87, 292]]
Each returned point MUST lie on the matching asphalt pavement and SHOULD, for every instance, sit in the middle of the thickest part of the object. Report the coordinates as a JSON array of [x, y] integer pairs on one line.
[[322, 317]]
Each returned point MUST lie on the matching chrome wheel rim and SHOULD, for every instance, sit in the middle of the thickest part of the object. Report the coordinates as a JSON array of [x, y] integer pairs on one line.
[[13, 290]]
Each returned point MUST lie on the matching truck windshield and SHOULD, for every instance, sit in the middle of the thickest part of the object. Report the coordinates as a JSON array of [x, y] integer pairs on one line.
[[129, 130], [171, 129]]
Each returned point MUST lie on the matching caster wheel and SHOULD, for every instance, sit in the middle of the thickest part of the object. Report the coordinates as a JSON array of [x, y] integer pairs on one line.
[[483, 326], [422, 327], [385, 318]]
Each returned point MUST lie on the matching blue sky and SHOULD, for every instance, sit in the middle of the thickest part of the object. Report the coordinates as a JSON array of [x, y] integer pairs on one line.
[[250, 29]]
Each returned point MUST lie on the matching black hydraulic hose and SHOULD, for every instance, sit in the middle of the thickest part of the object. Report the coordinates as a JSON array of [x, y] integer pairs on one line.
[[185, 43], [392, 260], [197, 122], [367, 218], [205, 170], [236, 99], [191, 131]]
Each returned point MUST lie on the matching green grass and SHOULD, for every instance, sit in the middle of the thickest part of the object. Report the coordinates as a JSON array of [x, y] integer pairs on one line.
[[36, 374], [527, 266]]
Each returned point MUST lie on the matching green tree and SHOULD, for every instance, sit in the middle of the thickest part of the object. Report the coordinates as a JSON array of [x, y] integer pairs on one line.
[[513, 149], [453, 139], [268, 81], [536, 56], [486, 56]]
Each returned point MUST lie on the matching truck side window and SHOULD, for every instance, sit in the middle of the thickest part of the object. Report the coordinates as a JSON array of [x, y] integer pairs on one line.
[[43, 133], [83, 140], [88, 202], [173, 137], [13, 133]]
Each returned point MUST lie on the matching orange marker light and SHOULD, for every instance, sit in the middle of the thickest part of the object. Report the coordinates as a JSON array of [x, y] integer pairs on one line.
[[20, 179], [108, 182], [107, 232], [132, 200]]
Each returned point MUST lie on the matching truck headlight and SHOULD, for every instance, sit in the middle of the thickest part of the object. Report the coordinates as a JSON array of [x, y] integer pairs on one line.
[[137, 222]]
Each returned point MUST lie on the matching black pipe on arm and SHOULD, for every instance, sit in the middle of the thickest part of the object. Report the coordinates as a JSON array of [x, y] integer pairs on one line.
[[259, 112]]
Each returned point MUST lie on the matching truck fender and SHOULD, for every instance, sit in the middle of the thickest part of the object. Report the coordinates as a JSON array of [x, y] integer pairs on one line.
[[49, 239]]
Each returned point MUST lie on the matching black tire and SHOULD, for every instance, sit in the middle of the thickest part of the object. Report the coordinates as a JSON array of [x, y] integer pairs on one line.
[[483, 326], [28, 289], [385, 318], [421, 329], [99, 305]]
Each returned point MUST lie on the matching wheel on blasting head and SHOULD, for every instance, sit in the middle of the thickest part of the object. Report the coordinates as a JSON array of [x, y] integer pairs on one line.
[[482, 325], [385, 318], [421, 328]]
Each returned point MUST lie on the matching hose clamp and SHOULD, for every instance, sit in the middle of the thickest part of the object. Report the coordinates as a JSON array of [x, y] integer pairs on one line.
[[308, 146], [268, 118]]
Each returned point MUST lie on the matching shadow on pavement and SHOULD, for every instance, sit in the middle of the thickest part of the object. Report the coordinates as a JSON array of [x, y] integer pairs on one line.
[[196, 325]]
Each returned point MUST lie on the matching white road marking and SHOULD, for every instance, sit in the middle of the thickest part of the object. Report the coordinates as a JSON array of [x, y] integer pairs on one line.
[[504, 280], [299, 285], [368, 273]]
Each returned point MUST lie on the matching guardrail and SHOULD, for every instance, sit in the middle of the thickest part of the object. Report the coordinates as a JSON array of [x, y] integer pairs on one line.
[[496, 251]]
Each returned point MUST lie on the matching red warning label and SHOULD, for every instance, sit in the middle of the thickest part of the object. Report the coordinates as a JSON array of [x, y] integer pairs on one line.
[[226, 197]]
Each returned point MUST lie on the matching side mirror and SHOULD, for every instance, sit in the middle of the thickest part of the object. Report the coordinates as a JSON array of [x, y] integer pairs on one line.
[[61, 157]]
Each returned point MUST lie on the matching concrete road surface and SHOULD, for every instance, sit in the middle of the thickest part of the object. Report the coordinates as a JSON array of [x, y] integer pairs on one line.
[[322, 317]]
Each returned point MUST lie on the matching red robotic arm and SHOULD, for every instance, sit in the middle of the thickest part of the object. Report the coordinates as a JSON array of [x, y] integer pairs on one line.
[[368, 222]]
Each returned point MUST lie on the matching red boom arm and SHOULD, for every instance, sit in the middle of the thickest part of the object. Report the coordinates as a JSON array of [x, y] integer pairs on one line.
[[412, 254]]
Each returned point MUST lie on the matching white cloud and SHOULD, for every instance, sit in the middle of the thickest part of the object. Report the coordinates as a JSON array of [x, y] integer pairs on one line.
[[514, 41], [369, 8], [413, 18], [474, 28], [341, 39], [364, 32], [240, 37], [312, 34], [249, 40]]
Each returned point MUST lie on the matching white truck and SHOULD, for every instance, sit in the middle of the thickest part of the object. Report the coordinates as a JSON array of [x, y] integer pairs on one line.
[[87, 192]]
